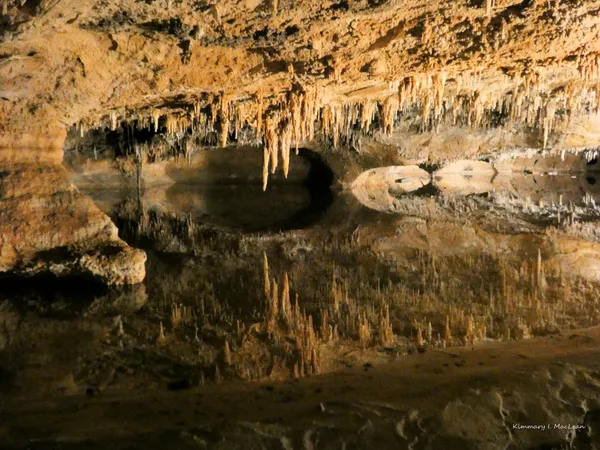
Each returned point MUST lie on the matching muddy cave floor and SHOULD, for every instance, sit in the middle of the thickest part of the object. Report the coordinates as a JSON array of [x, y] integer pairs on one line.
[[442, 327]]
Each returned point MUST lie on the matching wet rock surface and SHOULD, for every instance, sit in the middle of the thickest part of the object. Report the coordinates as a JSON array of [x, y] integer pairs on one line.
[[48, 227]]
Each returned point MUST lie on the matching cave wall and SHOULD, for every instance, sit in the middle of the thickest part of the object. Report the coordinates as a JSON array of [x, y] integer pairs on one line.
[[47, 227]]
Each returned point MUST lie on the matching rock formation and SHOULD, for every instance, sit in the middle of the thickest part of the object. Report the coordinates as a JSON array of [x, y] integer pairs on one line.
[[376, 188], [48, 227]]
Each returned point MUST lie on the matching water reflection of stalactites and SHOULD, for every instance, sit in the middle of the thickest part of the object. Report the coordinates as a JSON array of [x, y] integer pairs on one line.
[[393, 283], [219, 308], [485, 283], [561, 200], [283, 339], [553, 189], [424, 300]]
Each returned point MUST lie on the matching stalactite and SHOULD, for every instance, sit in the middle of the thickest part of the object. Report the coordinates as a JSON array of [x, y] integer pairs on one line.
[[155, 119], [214, 111], [272, 141], [367, 114], [296, 112], [225, 119], [176, 124], [549, 112], [285, 145], [240, 119], [326, 120], [489, 4], [390, 110], [266, 159], [426, 108], [439, 82], [259, 114]]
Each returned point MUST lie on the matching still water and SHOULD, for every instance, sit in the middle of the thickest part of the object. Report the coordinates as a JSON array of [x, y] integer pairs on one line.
[[306, 278]]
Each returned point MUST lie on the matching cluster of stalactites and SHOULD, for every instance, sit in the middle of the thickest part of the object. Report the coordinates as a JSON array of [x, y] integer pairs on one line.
[[284, 121], [292, 122], [528, 103], [589, 67]]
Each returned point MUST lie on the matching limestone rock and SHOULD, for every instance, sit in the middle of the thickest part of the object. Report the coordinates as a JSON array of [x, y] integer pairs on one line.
[[48, 227], [376, 188]]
